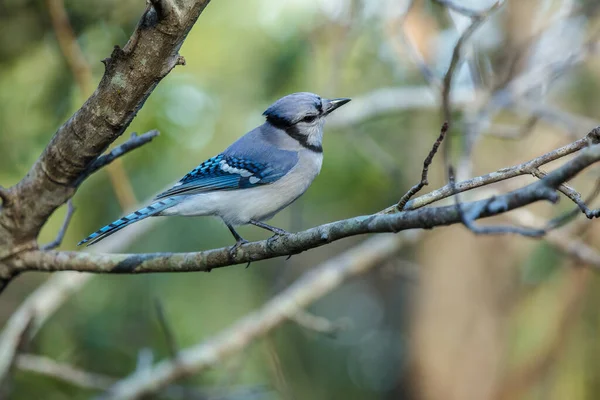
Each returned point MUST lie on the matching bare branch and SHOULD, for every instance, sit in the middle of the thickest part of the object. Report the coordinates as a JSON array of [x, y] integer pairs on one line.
[[295, 243], [572, 194], [525, 168], [428, 160], [310, 287], [63, 230], [133, 143], [473, 213]]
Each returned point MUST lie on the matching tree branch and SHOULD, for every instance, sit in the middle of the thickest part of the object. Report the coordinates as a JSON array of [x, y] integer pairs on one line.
[[526, 168], [63, 230], [133, 143], [428, 160], [424, 218]]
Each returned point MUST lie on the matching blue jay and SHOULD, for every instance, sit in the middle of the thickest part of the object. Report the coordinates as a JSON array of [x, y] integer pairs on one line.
[[253, 179]]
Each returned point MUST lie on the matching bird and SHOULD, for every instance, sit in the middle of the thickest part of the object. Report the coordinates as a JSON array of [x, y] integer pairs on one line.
[[257, 176]]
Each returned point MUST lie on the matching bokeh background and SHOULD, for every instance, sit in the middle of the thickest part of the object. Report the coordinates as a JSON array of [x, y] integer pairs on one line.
[[455, 316]]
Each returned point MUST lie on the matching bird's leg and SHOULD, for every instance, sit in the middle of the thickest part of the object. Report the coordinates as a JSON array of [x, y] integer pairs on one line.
[[275, 230], [238, 240]]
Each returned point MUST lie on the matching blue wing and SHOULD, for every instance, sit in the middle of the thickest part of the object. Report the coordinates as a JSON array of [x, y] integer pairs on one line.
[[227, 172]]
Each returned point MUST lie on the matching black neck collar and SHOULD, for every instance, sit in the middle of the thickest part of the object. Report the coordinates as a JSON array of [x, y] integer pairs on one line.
[[293, 132]]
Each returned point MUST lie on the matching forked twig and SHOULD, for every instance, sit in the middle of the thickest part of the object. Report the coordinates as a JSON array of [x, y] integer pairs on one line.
[[428, 160]]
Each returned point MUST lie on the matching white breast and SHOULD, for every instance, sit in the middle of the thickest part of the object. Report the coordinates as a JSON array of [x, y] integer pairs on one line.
[[238, 207]]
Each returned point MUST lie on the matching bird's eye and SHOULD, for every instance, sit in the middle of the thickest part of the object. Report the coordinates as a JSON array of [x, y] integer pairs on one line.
[[309, 118]]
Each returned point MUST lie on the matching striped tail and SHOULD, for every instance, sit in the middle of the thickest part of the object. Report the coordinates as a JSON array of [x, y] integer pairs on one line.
[[136, 216]]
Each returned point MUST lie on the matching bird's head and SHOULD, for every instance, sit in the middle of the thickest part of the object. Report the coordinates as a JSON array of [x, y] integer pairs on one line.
[[302, 116]]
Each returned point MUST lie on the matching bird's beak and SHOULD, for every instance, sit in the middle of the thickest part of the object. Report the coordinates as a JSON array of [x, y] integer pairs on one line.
[[330, 105]]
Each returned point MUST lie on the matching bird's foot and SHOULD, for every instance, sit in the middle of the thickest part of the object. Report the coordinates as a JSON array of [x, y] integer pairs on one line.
[[277, 233], [238, 243]]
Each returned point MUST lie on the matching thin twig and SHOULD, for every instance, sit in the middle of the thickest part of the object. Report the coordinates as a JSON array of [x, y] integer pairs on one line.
[[475, 212], [568, 216], [573, 195], [63, 230], [133, 143], [428, 160]]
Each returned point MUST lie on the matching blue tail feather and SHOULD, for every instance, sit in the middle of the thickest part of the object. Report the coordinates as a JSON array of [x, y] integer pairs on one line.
[[135, 216]]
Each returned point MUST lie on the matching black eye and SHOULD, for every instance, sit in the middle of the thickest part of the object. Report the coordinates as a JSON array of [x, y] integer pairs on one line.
[[309, 118]]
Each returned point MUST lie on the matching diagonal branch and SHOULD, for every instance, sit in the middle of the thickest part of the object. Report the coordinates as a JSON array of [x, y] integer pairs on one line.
[[468, 217], [133, 143], [63, 230], [573, 195], [428, 160]]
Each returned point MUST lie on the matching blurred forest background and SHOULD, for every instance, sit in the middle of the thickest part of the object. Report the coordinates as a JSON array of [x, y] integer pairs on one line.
[[473, 317]]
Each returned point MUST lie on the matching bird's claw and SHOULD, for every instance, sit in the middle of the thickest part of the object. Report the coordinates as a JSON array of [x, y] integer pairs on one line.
[[276, 234], [236, 246]]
